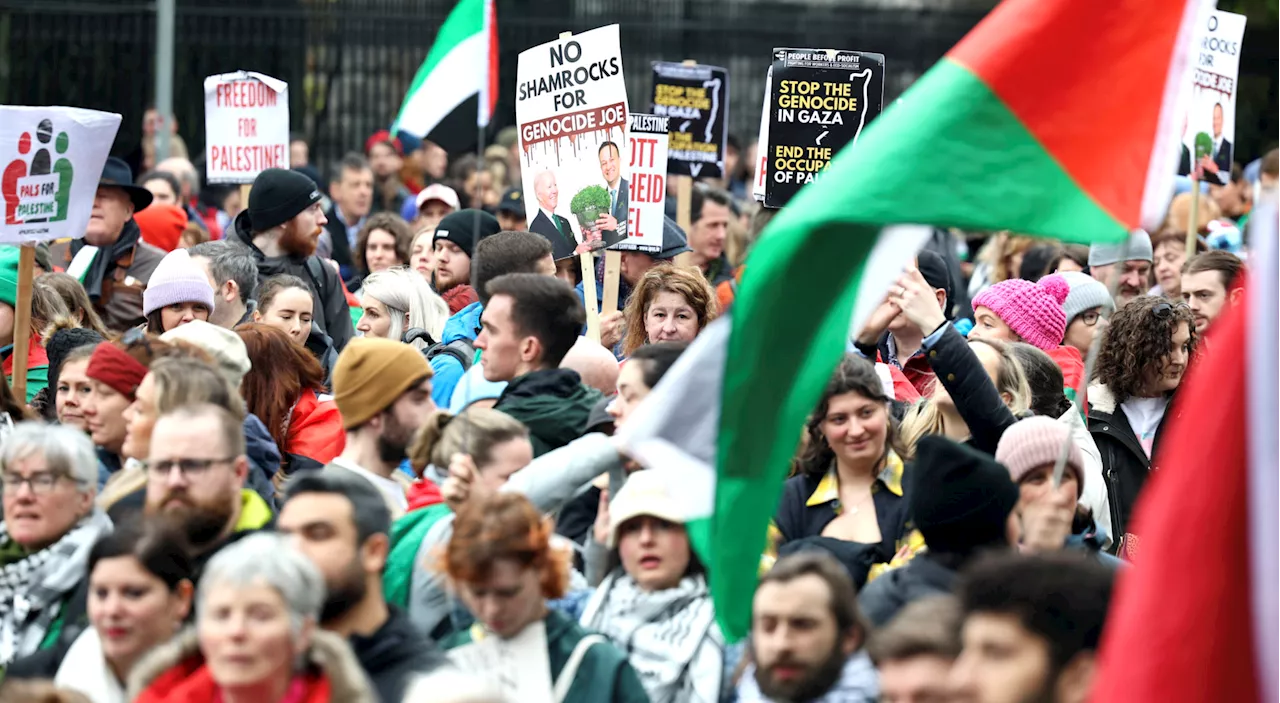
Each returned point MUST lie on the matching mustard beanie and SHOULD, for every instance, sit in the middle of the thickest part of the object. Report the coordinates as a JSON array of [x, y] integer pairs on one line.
[[371, 374]]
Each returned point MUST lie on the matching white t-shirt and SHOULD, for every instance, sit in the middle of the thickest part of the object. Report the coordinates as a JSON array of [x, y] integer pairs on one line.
[[389, 487], [1144, 417]]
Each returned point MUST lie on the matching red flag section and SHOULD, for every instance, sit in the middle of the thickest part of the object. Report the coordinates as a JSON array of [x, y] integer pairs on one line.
[[1138, 40], [1180, 624]]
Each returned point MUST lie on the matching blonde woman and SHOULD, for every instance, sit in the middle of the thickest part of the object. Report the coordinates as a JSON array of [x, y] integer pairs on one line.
[[397, 300]]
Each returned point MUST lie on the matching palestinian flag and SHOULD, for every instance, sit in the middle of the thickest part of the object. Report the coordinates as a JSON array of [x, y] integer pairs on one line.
[[1212, 536], [1018, 128], [460, 70]]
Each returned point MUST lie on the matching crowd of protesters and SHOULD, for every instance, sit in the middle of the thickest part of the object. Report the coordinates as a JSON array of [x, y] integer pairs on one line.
[[325, 443]]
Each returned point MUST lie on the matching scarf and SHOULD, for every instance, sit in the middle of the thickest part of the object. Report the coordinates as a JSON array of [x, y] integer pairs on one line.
[[858, 683], [105, 261], [663, 634], [32, 586]]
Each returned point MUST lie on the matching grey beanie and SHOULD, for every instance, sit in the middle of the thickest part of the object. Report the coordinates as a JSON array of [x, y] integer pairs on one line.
[[1085, 293], [1136, 248]]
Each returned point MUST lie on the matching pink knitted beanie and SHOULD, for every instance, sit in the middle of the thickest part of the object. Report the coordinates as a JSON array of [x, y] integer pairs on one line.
[[1032, 310], [1035, 442]]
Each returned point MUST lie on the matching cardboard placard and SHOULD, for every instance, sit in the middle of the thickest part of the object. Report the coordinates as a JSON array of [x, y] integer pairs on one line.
[[53, 158], [819, 101], [520, 667], [246, 121], [696, 100], [1209, 127], [571, 109], [762, 142], [648, 193]]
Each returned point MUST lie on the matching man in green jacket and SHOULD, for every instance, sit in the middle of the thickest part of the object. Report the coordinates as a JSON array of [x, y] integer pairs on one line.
[[528, 326]]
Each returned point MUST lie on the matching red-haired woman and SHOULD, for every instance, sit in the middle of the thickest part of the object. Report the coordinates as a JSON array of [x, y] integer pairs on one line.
[[501, 562], [285, 388]]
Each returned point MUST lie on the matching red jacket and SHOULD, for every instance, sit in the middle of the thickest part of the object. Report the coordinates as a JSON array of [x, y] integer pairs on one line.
[[1068, 359], [315, 429]]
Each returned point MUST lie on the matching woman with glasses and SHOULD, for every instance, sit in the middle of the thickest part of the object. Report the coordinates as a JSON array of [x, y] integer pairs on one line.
[[1142, 361], [1088, 305], [50, 477]]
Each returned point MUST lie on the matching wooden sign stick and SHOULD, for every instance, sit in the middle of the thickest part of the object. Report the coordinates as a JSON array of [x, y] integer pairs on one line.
[[22, 322], [684, 194], [612, 270]]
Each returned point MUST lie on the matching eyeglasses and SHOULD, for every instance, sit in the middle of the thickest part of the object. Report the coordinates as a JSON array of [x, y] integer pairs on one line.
[[1090, 318], [41, 482], [1164, 311], [189, 468]]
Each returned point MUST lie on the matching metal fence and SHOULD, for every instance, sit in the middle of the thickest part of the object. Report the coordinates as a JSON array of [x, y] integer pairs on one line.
[[348, 62]]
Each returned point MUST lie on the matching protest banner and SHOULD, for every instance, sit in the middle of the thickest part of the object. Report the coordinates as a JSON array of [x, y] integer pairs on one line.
[[53, 160], [696, 100], [647, 164], [762, 141], [571, 112], [819, 101], [246, 123]]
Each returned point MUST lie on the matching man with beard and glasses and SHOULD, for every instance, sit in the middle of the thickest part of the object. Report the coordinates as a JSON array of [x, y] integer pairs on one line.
[[196, 471], [807, 636], [341, 522], [1134, 257], [281, 227], [1031, 628], [383, 390]]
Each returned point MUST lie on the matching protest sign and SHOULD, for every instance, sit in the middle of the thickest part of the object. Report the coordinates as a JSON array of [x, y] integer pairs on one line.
[[571, 109], [762, 141], [1209, 127], [819, 101], [246, 120], [647, 164], [53, 160], [696, 100], [519, 666]]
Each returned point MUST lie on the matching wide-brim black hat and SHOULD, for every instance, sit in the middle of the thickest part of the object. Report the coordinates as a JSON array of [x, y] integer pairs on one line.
[[117, 174]]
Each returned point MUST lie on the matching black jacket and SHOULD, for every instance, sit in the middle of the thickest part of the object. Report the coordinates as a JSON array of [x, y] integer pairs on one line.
[[797, 520], [922, 577], [341, 247], [552, 403], [332, 315], [395, 655], [1125, 466]]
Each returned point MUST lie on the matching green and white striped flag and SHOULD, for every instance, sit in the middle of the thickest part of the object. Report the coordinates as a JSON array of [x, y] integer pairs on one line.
[[1000, 134], [462, 63]]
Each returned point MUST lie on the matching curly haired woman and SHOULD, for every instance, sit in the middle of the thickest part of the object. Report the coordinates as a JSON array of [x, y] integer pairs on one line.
[[669, 304], [1144, 355]]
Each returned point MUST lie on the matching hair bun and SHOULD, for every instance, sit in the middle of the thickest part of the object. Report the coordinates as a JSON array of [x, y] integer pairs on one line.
[[1057, 287]]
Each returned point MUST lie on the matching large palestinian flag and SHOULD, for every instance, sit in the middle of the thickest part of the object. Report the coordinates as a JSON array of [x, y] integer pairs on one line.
[[1055, 118]]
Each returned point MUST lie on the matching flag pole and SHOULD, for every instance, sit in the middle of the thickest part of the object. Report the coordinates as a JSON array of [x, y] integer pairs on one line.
[[1193, 220]]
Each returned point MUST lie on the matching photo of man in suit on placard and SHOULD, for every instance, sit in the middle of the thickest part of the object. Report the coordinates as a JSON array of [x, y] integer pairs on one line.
[[1221, 147], [547, 223], [613, 226]]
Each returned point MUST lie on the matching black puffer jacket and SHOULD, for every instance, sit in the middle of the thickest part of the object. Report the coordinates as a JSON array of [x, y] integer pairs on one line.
[[332, 315]]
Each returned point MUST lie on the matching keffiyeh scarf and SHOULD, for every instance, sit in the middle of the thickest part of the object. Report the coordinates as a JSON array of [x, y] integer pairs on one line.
[[32, 587], [669, 636]]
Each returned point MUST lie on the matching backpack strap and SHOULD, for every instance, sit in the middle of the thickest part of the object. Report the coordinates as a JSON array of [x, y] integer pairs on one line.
[[316, 273], [570, 671]]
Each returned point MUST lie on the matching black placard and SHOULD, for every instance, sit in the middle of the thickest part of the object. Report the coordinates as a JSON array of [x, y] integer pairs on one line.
[[695, 98], [820, 100]]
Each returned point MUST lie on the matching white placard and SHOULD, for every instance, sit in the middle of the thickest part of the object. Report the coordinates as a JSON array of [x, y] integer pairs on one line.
[[571, 108], [53, 158], [648, 193], [1211, 116], [762, 143], [246, 120], [520, 666]]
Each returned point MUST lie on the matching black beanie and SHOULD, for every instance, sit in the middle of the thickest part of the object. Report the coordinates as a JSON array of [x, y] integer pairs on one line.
[[960, 498], [466, 228], [61, 343], [278, 196]]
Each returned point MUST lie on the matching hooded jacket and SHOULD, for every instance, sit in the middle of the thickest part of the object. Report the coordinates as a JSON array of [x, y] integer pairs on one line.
[[446, 370], [395, 655], [175, 672], [331, 314], [553, 404], [922, 577]]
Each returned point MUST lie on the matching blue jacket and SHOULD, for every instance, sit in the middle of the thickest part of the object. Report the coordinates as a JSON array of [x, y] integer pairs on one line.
[[264, 458], [464, 324]]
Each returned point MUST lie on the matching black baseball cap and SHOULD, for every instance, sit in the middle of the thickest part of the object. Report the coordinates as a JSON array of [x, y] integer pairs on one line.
[[935, 272], [512, 202]]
